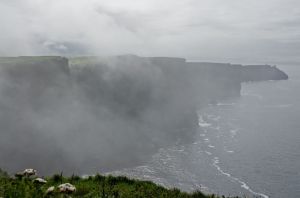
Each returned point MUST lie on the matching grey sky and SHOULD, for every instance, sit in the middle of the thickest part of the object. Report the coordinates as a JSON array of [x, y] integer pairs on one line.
[[215, 30]]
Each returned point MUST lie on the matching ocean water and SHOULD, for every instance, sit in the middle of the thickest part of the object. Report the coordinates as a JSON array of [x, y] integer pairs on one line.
[[247, 146]]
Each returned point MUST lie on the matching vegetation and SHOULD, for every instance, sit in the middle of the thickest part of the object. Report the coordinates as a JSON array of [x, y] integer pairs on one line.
[[27, 59], [94, 186]]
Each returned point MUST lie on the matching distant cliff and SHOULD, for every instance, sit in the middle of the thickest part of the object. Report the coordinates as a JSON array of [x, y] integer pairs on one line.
[[91, 113], [262, 73]]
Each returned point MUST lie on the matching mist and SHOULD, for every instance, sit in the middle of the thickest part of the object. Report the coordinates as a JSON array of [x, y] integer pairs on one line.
[[84, 118], [90, 114], [231, 31], [188, 94], [82, 114]]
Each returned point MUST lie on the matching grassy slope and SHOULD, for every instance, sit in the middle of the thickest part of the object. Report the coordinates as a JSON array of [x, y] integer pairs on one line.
[[27, 59], [97, 186]]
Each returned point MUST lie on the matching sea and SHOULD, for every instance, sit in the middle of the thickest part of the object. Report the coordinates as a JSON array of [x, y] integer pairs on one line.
[[247, 146]]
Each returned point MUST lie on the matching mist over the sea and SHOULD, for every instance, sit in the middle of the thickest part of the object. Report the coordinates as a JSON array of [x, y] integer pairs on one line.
[[247, 146], [193, 94]]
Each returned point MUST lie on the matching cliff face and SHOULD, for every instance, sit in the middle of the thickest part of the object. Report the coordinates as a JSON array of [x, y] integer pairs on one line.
[[108, 112], [262, 73]]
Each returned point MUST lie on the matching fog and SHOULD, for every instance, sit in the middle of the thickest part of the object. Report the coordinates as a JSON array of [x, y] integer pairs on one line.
[[103, 111], [210, 30], [95, 115]]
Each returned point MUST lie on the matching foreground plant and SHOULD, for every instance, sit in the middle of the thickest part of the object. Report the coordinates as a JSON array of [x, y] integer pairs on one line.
[[97, 186]]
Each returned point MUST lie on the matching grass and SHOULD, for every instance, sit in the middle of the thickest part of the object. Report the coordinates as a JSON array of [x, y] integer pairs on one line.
[[98, 186], [27, 59]]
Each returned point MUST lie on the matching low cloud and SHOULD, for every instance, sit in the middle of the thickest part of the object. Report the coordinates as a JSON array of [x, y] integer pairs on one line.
[[193, 29]]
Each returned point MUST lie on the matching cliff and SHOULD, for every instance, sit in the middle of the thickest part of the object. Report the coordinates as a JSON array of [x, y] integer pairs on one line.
[[262, 73], [87, 113]]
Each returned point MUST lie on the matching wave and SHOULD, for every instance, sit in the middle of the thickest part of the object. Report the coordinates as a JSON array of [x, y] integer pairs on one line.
[[243, 184], [233, 132], [202, 123], [225, 104], [229, 151]]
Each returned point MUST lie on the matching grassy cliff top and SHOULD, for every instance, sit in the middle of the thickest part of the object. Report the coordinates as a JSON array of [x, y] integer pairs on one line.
[[28, 59], [93, 186]]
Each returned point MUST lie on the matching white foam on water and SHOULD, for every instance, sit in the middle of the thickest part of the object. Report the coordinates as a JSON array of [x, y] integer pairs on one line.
[[208, 153], [202, 123], [242, 184], [225, 104], [234, 131], [229, 151], [146, 169], [211, 146]]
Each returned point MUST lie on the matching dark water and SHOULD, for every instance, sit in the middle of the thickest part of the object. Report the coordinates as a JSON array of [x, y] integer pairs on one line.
[[250, 146]]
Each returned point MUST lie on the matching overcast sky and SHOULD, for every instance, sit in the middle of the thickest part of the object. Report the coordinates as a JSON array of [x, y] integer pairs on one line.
[[215, 30]]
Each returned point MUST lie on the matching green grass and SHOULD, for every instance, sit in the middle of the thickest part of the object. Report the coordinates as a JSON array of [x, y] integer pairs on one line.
[[92, 187], [27, 59], [83, 59]]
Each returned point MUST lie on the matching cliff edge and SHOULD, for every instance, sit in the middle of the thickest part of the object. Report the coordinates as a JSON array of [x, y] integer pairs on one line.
[[91, 113]]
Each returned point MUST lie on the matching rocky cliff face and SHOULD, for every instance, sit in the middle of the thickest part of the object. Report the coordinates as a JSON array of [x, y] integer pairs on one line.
[[86, 114]]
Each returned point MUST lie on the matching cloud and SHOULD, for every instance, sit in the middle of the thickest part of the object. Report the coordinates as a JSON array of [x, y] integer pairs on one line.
[[188, 28]]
